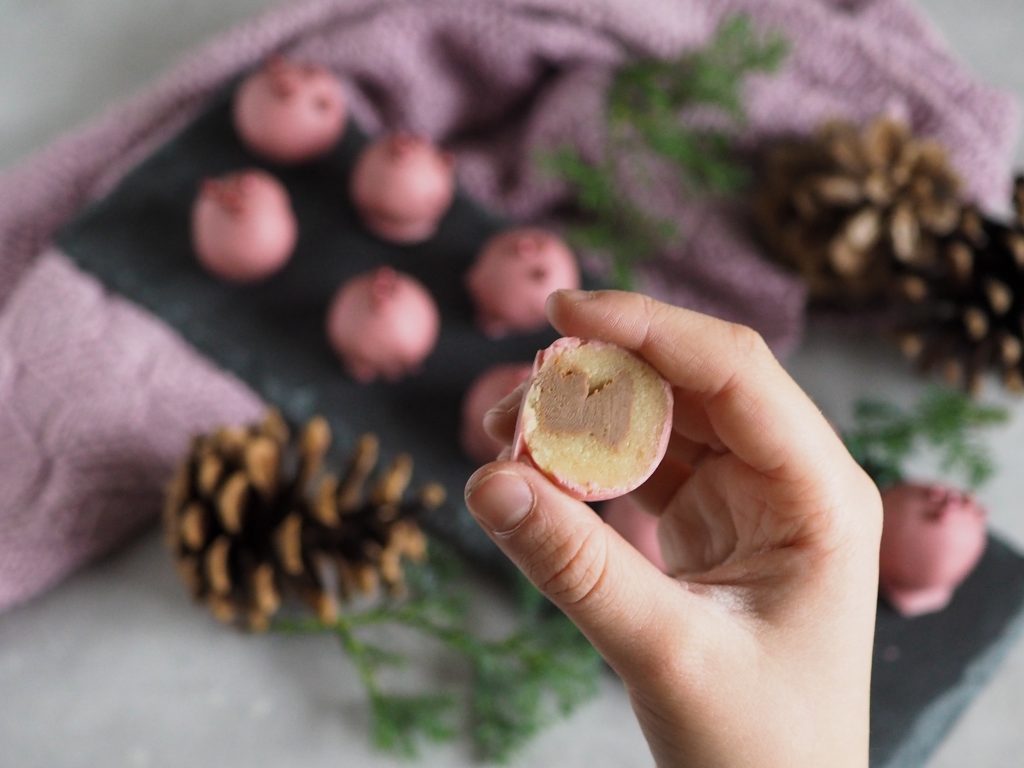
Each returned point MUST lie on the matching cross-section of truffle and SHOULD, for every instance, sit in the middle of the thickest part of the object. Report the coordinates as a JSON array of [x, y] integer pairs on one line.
[[595, 419]]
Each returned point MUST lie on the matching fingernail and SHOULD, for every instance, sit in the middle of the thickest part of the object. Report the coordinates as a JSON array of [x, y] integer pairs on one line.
[[567, 294], [573, 295], [502, 408], [492, 418], [501, 501]]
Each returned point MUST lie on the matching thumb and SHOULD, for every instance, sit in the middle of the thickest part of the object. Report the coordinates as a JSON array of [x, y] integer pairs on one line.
[[625, 606]]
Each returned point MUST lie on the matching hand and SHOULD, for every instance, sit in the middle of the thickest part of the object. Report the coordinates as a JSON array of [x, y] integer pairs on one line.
[[756, 650]]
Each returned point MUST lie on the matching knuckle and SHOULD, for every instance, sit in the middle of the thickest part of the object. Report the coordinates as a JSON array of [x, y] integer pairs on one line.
[[647, 312], [851, 510], [580, 566], [747, 342], [868, 501], [657, 315], [649, 307], [656, 321]]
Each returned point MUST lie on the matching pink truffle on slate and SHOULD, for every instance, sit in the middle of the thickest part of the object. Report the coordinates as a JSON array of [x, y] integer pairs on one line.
[[932, 537], [290, 112], [383, 324], [243, 228], [485, 392], [402, 185], [513, 276]]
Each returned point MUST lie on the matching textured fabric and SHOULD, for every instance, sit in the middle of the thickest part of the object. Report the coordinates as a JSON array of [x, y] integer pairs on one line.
[[105, 400], [493, 79]]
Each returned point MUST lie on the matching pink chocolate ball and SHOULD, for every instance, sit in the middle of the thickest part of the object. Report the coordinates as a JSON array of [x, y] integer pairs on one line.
[[636, 525], [290, 112], [485, 392], [383, 324], [513, 276], [243, 228], [402, 185], [932, 537]]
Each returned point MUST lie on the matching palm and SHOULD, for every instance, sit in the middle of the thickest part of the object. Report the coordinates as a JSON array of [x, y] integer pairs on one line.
[[725, 514]]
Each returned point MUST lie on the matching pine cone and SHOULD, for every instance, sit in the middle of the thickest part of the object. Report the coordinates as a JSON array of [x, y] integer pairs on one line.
[[964, 313], [243, 524], [848, 206]]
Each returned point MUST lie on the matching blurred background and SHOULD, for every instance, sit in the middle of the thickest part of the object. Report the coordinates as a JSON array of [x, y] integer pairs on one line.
[[64, 61]]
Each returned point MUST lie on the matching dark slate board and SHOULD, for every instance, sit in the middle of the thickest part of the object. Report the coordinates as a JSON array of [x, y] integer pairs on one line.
[[271, 335], [926, 670]]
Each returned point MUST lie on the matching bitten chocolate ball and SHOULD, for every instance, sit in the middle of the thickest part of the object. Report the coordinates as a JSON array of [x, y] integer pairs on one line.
[[290, 112], [595, 418], [402, 186], [243, 228]]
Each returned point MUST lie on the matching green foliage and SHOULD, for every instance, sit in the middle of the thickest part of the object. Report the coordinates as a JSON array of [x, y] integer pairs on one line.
[[612, 226], [519, 683], [947, 421], [647, 97], [645, 103], [543, 669], [714, 74], [400, 722]]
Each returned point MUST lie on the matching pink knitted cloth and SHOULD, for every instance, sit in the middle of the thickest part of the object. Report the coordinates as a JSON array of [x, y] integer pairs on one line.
[[97, 397]]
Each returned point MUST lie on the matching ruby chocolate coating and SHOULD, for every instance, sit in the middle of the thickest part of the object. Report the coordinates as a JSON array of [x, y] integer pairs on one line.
[[290, 112]]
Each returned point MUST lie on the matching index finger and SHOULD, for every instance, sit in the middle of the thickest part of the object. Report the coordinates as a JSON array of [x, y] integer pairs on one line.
[[755, 408]]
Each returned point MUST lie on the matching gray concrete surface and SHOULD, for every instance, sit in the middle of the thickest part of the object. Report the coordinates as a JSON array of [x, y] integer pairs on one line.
[[115, 668]]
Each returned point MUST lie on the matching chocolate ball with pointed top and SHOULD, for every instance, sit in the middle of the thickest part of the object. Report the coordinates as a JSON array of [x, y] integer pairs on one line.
[[243, 227], [513, 276], [402, 186], [932, 538], [383, 324], [484, 393], [290, 112]]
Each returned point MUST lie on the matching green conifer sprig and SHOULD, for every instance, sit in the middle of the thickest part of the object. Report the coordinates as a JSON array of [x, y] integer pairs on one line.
[[611, 225], [645, 103], [949, 422], [518, 684]]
